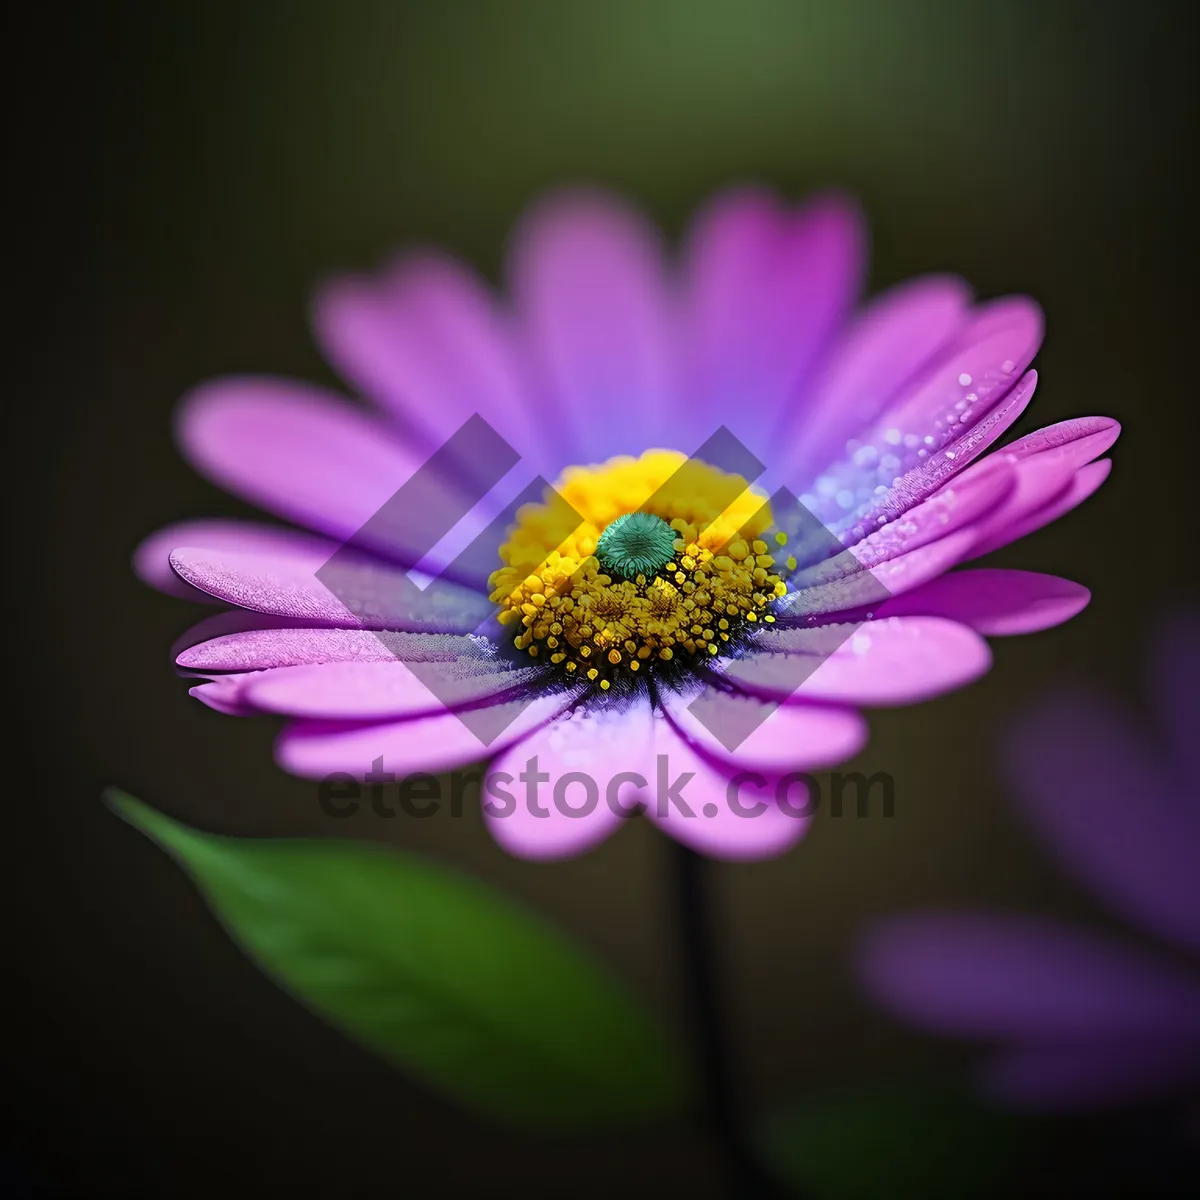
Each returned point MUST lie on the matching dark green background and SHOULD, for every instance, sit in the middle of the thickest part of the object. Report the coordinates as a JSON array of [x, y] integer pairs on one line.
[[194, 169]]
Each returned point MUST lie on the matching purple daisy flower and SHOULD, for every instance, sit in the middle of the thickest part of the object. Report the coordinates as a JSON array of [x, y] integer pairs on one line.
[[1085, 1020], [602, 356]]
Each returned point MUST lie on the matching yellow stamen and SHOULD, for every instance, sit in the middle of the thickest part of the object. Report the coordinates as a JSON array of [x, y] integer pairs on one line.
[[720, 577]]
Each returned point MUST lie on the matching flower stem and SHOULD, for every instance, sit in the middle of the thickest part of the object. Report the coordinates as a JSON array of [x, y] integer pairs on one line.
[[723, 1112]]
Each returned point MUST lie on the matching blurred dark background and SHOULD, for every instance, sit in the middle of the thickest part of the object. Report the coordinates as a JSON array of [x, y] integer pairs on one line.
[[192, 170]]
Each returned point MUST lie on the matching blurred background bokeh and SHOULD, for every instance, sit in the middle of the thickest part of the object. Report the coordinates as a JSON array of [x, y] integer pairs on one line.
[[198, 168]]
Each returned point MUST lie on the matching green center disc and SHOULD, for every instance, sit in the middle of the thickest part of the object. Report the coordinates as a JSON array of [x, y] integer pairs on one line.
[[636, 544]]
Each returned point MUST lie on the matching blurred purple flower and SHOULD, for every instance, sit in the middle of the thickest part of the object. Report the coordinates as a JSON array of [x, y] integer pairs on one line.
[[874, 420], [1085, 1021]]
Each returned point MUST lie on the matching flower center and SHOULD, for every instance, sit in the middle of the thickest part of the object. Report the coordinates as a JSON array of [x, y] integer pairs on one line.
[[667, 568], [636, 544]]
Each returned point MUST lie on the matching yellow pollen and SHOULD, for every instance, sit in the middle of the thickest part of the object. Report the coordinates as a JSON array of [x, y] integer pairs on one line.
[[722, 577]]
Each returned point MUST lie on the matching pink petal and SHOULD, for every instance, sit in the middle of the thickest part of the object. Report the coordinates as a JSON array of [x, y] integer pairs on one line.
[[376, 691], [1039, 480], [846, 590], [306, 455], [314, 749], [898, 334], [930, 434], [1012, 321], [152, 565], [769, 736], [768, 289], [589, 282], [1047, 461], [960, 503], [224, 696], [363, 593], [426, 341], [995, 603], [227, 623], [1110, 811], [559, 817], [1085, 481], [898, 660], [721, 809], [944, 470], [256, 649], [1016, 977], [1077, 441]]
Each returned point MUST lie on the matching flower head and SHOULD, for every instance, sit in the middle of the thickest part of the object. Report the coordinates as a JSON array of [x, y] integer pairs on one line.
[[687, 630], [1084, 1020]]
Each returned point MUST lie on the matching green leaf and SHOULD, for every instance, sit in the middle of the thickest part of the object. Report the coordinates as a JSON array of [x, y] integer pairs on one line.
[[444, 976], [926, 1142]]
